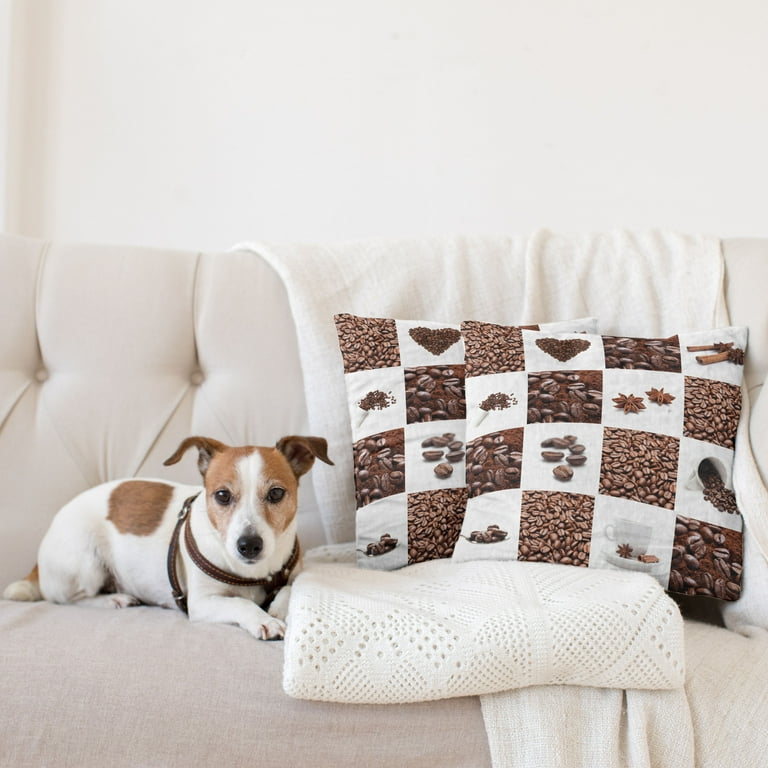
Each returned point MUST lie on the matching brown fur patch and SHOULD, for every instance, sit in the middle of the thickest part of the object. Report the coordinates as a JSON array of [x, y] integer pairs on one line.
[[33, 575], [276, 468], [138, 506], [222, 473]]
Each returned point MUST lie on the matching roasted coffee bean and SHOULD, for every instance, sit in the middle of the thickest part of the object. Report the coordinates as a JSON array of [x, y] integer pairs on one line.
[[563, 349], [555, 527], [435, 340], [631, 455], [443, 448], [705, 558], [691, 562], [712, 411], [492, 348], [715, 491], [431, 396], [563, 472], [565, 396], [552, 455], [555, 442], [488, 461], [379, 466], [646, 354], [434, 523], [367, 343]]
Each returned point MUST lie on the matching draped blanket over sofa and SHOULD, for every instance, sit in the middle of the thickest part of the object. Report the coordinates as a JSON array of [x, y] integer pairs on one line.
[[109, 356]]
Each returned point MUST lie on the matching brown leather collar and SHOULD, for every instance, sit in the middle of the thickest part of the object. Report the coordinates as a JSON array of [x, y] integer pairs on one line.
[[272, 584]]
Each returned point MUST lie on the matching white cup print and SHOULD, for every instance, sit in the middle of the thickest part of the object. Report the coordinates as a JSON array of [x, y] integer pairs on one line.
[[628, 533], [708, 468]]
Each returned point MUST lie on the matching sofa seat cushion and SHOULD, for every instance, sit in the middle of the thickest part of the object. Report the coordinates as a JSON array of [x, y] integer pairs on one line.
[[83, 680]]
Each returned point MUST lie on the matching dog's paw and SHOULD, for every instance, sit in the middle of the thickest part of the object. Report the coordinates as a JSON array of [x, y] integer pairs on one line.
[[120, 600], [273, 629], [112, 600]]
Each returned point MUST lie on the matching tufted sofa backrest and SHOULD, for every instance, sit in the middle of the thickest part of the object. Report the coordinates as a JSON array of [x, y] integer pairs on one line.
[[110, 356]]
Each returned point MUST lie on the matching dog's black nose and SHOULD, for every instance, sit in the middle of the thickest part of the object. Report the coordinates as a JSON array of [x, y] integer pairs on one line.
[[250, 546]]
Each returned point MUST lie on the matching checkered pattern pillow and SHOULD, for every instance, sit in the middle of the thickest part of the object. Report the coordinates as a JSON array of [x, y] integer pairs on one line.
[[407, 408], [605, 452]]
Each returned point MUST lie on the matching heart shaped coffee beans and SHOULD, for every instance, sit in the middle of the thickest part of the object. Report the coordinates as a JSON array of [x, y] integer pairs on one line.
[[435, 340], [563, 349]]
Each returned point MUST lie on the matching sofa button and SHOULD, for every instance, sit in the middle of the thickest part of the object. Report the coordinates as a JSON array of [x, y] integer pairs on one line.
[[196, 378], [41, 375]]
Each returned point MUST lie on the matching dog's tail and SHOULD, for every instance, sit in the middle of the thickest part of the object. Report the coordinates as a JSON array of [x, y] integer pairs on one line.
[[27, 590]]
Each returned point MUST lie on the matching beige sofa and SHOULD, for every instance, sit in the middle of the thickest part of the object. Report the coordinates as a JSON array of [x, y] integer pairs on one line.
[[109, 356]]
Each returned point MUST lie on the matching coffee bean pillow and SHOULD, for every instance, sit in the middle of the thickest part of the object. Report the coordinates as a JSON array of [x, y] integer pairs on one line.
[[606, 452], [405, 394]]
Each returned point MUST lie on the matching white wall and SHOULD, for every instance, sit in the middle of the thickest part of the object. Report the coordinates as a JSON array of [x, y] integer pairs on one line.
[[196, 124], [5, 61]]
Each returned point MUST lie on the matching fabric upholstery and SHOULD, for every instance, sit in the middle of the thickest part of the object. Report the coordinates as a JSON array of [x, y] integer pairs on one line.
[[145, 687]]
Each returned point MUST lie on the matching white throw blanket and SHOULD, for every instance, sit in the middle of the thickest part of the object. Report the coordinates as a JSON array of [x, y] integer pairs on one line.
[[442, 629], [651, 283], [647, 284]]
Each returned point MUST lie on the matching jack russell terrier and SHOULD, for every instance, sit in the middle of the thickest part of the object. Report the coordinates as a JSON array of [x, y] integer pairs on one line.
[[119, 544]]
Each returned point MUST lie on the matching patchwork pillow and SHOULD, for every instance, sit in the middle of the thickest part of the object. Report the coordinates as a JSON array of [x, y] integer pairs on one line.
[[606, 452], [405, 393]]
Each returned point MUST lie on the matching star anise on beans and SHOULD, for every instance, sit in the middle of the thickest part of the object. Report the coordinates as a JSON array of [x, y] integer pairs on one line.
[[629, 403], [624, 550], [659, 396]]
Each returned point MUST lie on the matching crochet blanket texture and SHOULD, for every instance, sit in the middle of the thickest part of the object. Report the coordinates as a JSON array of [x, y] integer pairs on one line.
[[441, 629]]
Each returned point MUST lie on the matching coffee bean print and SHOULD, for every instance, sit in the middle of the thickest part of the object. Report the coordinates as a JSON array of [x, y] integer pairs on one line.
[[494, 461], [641, 466], [434, 523], [712, 411], [376, 400], [367, 343], [491, 348], [434, 393], [565, 396], [563, 349], [491, 535], [715, 491], [435, 340], [556, 527], [386, 543], [498, 401], [643, 354], [706, 560], [379, 466]]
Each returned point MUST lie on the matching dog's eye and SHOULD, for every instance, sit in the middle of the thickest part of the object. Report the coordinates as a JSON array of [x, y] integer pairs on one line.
[[223, 497], [275, 495]]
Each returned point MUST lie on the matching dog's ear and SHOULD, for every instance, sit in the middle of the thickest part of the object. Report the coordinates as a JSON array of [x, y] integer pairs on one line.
[[206, 447], [301, 452]]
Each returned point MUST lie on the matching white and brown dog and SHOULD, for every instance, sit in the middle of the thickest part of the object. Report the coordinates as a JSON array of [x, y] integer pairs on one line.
[[121, 543]]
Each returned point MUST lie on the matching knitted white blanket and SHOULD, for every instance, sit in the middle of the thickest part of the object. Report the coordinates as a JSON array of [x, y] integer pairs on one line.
[[352, 633], [441, 629]]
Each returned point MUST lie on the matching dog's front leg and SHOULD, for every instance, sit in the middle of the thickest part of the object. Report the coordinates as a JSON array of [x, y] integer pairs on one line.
[[279, 606], [240, 611]]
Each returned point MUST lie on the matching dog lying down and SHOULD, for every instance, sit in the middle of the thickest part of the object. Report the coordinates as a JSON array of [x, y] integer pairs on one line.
[[224, 552]]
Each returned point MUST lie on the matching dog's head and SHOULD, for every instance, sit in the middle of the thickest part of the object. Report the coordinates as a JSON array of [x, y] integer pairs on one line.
[[252, 492]]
